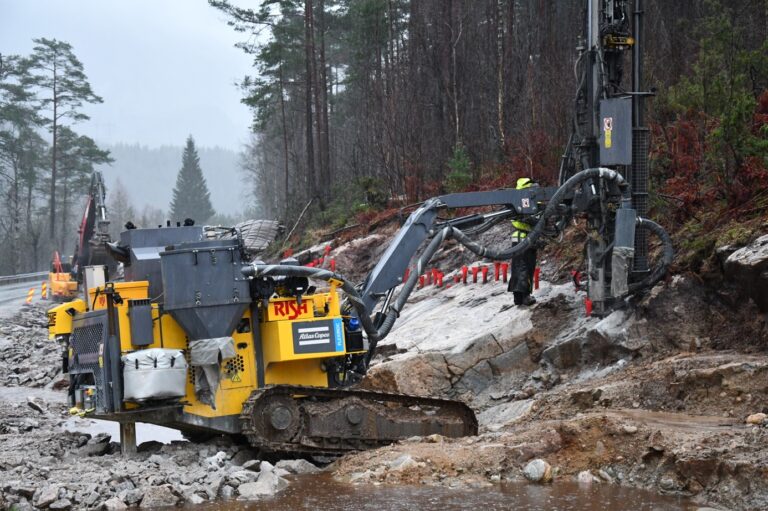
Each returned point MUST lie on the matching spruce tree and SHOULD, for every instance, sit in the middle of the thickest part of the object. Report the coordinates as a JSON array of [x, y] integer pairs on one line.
[[191, 198]]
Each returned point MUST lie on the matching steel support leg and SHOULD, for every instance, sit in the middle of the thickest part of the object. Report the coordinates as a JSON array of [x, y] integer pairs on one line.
[[128, 438]]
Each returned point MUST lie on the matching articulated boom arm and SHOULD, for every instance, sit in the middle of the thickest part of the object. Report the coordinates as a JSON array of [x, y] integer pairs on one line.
[[601, 193], [94, 228], [422, 223]]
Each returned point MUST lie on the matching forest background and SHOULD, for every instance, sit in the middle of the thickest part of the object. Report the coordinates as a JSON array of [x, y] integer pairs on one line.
[[362, 106]]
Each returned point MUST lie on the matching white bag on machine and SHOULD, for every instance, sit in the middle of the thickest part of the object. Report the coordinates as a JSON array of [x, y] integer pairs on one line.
[[154, 374]]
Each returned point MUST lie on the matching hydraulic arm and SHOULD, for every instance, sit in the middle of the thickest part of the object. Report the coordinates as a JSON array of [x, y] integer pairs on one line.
[[93, 233], [549, 208]]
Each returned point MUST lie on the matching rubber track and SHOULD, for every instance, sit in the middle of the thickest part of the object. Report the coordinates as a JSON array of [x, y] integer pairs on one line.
[[455, 408]]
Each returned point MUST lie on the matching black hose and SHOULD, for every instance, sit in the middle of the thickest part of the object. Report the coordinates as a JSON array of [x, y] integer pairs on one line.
[[353, 295], [550, 211], [660, 270]]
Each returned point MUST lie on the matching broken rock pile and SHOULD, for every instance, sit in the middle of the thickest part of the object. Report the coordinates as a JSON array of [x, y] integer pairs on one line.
[[27, 357], [53, 469], [45, 466]]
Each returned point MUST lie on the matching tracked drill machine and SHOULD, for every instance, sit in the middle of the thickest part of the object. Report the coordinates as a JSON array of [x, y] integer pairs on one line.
[[191, 342], [203, 336]]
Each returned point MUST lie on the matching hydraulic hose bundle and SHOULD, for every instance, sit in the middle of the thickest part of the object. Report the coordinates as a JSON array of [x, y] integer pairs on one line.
[[393, 311]]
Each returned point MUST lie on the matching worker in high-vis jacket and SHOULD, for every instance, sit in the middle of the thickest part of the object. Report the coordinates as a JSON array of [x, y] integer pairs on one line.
[[524, 264]]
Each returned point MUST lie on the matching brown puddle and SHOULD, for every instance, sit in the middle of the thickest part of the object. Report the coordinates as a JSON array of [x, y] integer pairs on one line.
[[322, 492]]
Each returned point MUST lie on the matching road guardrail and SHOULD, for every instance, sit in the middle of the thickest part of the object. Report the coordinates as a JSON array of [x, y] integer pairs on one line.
[[22, 277]]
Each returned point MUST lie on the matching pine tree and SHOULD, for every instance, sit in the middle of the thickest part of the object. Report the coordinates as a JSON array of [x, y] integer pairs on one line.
[[59, 73], [191, 198]]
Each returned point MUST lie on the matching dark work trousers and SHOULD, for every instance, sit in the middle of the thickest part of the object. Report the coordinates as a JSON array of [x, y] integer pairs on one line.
[[521, 278]]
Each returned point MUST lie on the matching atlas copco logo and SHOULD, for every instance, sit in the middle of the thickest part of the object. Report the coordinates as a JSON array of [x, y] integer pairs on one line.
[[291, 310]]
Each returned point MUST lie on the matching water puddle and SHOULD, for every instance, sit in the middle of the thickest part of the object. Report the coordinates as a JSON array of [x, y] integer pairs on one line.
[[322, 492]]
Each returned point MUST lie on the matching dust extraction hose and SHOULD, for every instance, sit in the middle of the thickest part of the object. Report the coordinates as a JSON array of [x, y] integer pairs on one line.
[[281, 270]]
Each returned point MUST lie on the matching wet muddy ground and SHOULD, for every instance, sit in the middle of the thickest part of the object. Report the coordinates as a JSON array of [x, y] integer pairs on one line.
[[321, 492], [653, 405]]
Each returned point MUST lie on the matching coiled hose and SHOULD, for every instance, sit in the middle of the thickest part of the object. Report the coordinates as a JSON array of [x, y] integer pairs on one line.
[[393, 312], [666, 258]]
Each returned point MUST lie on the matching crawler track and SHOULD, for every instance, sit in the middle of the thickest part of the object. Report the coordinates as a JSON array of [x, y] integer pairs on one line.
[[312, 420]]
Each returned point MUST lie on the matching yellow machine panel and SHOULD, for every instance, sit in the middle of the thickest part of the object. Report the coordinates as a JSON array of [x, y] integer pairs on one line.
[[297, 337], [265, 355], [136, 290], [60, 317], [238, 380], [294, 340]]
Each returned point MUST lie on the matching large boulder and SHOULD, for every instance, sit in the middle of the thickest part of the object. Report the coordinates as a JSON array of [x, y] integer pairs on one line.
[[421, 375], [268, 484], [297, 466], [96, 446], [748, 268], [158, 496], [48, 496], [538, 471], [113, 504]]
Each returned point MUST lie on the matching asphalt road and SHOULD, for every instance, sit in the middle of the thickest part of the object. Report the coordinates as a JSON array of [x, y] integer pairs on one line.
[[13, 296]]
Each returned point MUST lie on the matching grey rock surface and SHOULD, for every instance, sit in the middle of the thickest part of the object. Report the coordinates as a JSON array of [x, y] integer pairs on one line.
[[158, 496], [748, 266]]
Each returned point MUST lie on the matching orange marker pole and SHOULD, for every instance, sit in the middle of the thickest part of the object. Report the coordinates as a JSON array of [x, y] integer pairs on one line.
[[30, 295], [44, 290]]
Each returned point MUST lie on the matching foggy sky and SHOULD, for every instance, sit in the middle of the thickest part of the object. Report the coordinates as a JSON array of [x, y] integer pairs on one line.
[[165, 68]]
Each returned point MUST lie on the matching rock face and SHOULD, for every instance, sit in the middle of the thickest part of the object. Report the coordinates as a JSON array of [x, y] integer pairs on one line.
[[748, 266], [466, 340], [655, 394]]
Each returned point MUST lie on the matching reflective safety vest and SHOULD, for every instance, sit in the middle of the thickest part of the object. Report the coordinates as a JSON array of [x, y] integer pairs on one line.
[[521, 228]]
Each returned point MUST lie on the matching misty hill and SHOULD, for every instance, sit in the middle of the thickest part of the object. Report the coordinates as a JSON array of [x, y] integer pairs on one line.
[[149, 175]]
